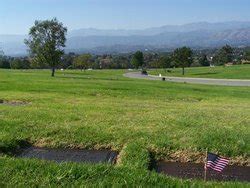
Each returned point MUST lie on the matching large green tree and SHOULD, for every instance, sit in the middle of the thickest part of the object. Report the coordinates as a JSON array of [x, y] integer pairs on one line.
[[137, 60], [82, 61], [203, 60], [183, 57], [164, 62], [46, 41], [223, 56]]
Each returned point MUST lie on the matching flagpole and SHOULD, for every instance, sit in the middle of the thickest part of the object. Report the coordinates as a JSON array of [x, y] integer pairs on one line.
[[205, 168]]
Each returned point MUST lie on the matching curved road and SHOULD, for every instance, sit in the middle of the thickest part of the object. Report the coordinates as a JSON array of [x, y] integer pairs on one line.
[[209, 81]]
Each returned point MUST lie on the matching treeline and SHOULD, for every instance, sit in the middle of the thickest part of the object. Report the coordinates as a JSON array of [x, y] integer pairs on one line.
[[207, 57]]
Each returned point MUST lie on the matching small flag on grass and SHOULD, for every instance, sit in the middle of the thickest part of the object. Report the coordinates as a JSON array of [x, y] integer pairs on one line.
[[216, 162]]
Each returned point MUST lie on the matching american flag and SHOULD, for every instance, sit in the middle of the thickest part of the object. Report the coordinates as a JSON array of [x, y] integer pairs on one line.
[[216, 162]]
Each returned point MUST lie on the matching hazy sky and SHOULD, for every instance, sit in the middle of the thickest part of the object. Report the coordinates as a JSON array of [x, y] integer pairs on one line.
[[16, 16]]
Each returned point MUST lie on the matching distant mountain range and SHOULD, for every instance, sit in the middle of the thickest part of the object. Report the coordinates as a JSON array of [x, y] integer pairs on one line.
[[203, 35]]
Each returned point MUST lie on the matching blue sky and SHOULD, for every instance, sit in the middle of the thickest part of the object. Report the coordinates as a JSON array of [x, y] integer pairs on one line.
[[16, 16]]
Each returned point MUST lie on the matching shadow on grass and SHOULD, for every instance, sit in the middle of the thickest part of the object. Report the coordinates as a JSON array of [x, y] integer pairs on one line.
[[206, 73], [87, 78], [13, 146], [152, 163]]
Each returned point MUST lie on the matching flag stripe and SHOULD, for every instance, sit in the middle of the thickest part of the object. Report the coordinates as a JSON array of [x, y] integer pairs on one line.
[[212, 163], [216, 162]]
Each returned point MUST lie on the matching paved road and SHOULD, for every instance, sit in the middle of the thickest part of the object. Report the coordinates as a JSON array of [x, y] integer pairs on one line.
[[208, 81]]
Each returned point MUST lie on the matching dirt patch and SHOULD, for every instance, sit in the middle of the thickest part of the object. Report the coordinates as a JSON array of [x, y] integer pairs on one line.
[[95, 94], [69, 155], [196, 171], [13, 102]]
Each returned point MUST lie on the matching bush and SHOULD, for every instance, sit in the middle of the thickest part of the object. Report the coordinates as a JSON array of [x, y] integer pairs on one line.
[[144, 72]]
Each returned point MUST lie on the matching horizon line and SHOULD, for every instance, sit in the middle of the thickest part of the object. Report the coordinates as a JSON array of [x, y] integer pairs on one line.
[[138, 29]]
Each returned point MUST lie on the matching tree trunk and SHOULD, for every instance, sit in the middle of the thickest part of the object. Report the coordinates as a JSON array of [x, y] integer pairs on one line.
[[53, 72], [183, 71]]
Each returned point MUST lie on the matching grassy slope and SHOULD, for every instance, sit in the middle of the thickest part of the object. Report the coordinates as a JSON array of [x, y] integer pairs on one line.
[[231, 72], [104, 110]]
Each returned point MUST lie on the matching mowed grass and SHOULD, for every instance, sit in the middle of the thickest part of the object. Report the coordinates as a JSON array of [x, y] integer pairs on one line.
[[230, 72], [103, 109]]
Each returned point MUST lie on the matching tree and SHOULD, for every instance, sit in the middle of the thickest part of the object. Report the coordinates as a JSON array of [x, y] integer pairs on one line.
[[223, 56], [203, 61], [4, 62], [67, 60], [20, 63], [16, 64], [183, 57], [247, 55], [137, 60], [165, 62], [120, 62], [46, 40], [82, 61]]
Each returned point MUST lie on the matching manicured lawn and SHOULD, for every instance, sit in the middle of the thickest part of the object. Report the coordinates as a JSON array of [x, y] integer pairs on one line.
[[102, 109], [231, 72]]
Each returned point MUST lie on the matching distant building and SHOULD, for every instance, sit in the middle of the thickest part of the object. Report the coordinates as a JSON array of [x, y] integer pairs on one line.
[[229, 64]]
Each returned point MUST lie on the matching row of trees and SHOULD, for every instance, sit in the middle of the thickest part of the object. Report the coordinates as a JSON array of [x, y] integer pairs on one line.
[[14, 63], [185, 57], [181, 57], [47, 40], [137, 60]]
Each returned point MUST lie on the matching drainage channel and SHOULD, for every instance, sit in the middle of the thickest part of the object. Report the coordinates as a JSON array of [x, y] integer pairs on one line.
[[196, 171], [69, 155]]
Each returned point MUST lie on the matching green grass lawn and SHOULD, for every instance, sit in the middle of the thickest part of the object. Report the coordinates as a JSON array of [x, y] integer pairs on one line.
[[102, 109], [231, 72]]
